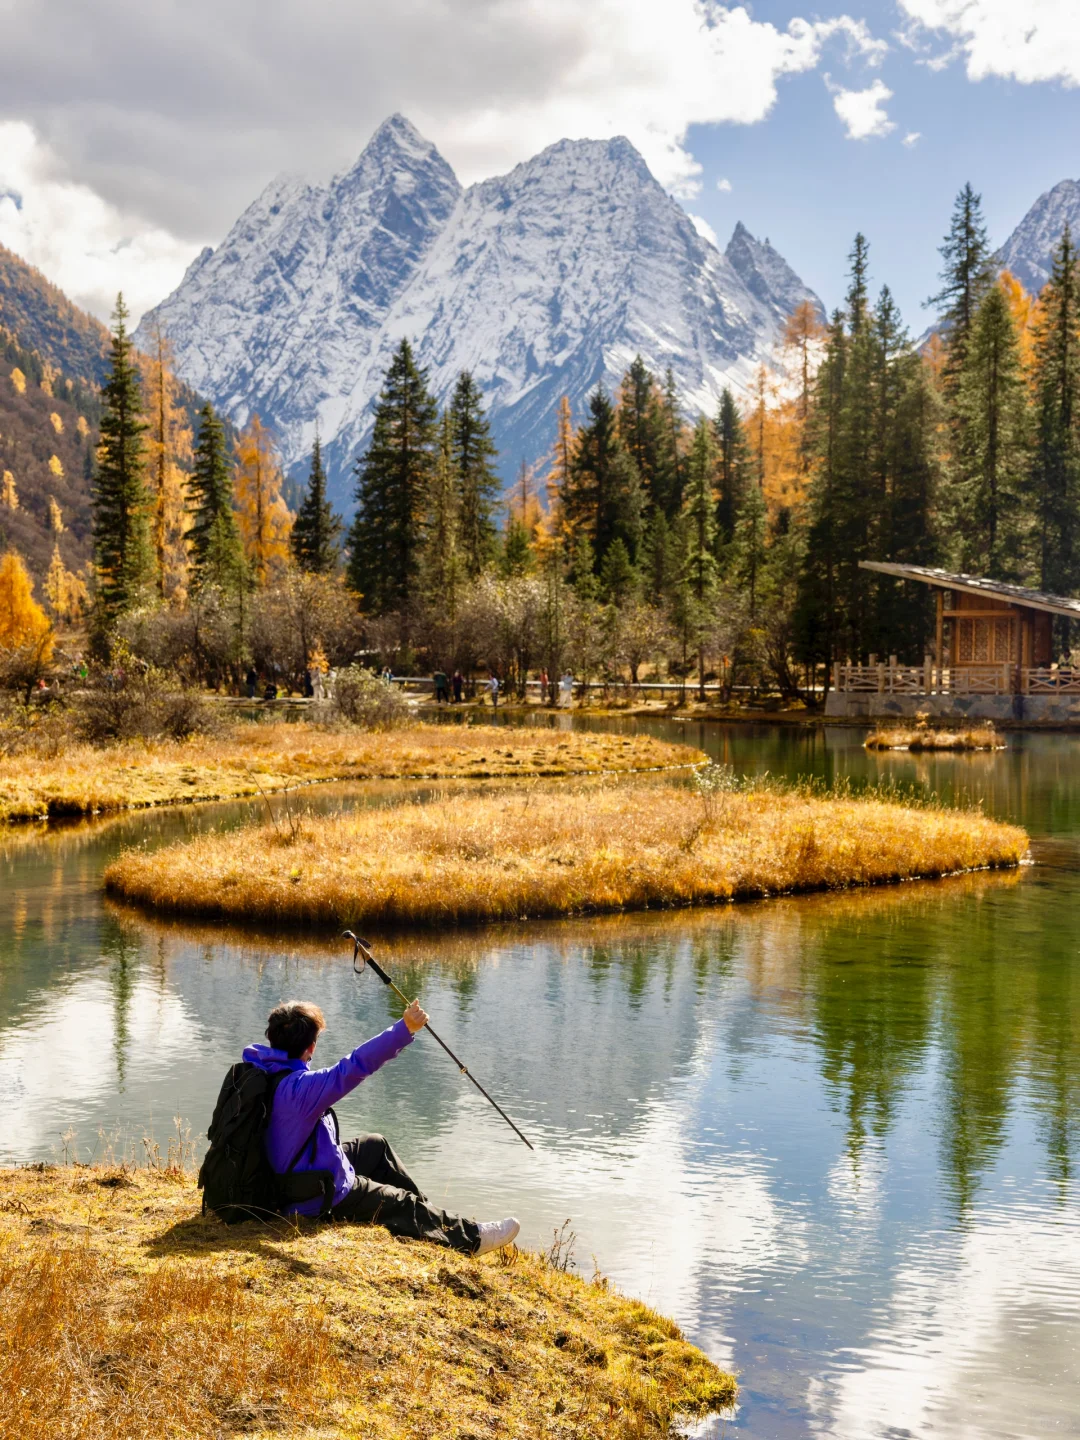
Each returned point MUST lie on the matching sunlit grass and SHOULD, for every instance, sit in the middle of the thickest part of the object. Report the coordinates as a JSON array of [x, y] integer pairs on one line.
[[982, 736], [85, 779], [535, 853], [127, 1314]]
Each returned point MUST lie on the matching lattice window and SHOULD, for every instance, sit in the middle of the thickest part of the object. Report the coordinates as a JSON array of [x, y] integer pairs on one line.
[[964, 647], [1003, 640], [982, 641]]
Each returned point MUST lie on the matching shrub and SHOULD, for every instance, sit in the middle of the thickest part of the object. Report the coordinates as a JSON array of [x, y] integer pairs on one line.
[[361, 698]]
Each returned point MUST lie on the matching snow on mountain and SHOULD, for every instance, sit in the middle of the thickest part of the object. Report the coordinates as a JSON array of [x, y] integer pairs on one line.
[[1028, 252], [543, 282]]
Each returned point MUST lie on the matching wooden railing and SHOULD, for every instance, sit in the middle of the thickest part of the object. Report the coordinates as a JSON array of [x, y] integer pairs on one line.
[[930, 679]]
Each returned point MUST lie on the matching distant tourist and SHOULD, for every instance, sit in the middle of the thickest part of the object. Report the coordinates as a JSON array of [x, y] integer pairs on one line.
[[493, 690], [387, 675], [459, 687], [566, 689], [251, 680], [442, 687]]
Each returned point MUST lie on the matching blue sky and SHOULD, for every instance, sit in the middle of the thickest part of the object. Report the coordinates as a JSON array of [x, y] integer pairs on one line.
[[796, 178], [134, 134]]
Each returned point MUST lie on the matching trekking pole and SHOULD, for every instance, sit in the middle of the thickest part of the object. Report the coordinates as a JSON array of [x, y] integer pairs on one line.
[[362, 952]]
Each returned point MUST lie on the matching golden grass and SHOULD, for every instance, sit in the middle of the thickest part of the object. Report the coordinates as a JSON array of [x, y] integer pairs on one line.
[[925, 737], [536, 853], [85, 779], [124, 1313]]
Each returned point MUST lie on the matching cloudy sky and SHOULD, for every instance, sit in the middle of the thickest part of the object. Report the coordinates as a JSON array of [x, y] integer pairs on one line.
[[132, 134]]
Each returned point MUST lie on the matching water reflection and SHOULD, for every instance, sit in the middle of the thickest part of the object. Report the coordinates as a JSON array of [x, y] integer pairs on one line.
[[836, 1136]]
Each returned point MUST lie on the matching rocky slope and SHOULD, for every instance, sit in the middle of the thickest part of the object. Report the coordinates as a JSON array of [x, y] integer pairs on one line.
[[544, 282], [1028, 252]]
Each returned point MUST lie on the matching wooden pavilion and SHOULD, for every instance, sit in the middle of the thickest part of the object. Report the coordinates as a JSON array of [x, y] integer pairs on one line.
[[992, 639]]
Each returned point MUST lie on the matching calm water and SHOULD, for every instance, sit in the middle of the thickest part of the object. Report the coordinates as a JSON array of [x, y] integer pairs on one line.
[[836, 1137]]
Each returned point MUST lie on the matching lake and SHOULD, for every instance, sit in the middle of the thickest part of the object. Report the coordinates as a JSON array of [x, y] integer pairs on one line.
[[835, 1137]]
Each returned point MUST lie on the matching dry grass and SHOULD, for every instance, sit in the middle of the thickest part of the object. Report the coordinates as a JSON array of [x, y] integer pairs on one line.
[[925, 737], [85, 779], [126, 1314], [539, 853]]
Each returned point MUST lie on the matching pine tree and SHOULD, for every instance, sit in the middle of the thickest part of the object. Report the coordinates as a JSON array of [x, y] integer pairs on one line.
[[441, 570], [1055, 468], [214, 537], [699, 532], [987, 481], [618, 578], [668, 481], [122, 554], [169, 455], [733, 465], [316, 533], [965, 277], [392, 487], [641, 424], [748, 549], [264, 519], [858, 295], [605, 500], [478, 485]]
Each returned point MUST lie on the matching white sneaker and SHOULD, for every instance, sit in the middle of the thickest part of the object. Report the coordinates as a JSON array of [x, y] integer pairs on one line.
[[494, 1234]]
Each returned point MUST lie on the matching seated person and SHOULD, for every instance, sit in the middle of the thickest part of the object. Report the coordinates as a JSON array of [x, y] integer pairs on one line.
[[370, 1184]]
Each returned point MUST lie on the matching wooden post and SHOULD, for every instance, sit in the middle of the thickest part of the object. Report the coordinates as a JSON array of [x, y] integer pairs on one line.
[[939, 632], [927, 674]]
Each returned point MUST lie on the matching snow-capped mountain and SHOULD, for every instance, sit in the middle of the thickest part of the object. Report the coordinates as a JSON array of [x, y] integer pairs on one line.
[[1029, 250], [543, 282]]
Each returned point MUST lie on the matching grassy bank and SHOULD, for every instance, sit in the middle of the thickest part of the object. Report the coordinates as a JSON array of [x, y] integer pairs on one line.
[[86, 779], [926, 737], [128, 1314], [535, 853]]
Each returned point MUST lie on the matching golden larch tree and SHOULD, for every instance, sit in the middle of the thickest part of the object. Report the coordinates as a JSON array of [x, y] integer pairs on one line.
[[803, 335], [265, 519], [551, 531], [56, 517], [18, 379], [9, 496], [773, 433], [56, 466], [1025, 310], [65, 591], [169, 451], [23, 623]]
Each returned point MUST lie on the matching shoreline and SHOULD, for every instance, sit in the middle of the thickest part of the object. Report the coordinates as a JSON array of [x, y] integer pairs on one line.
[[132, 1314]]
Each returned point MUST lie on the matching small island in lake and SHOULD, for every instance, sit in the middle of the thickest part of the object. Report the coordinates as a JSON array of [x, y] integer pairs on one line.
[[923, 736], [534, 852]]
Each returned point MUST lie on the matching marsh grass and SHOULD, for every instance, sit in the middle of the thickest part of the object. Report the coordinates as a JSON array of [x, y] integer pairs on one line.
[[923, 736], [252, 758], [125, 1313], [532, 853]]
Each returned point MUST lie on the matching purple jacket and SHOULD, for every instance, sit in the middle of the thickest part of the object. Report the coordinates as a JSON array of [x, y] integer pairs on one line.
[[305, 1095]]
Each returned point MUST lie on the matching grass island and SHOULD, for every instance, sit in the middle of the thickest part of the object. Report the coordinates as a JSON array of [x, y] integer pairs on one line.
[[535, 852], [83, 779], [127, 1314], [935, 737]]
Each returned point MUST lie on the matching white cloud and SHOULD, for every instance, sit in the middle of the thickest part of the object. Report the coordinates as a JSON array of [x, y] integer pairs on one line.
[[1030, 41], [863, 111], [197, 130], [912, 138], [724, 186], [703, 228], [78, 240]]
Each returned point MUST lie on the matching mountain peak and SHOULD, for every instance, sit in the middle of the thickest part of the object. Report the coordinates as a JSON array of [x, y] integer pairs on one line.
[[1028, 253]]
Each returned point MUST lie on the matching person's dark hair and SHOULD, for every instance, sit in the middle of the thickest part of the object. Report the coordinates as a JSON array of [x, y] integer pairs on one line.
[[293, 1026]]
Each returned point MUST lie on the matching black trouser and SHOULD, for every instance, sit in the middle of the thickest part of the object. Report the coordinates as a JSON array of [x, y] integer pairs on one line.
[[384, 1193]]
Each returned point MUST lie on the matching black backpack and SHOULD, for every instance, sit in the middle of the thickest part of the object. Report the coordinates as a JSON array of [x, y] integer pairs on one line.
[[235, 1177]]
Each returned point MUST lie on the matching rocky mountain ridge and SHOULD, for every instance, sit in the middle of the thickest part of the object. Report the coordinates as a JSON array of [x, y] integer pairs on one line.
[[543, 282]]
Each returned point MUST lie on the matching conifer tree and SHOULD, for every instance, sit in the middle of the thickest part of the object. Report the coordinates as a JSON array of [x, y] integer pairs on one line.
[[214, 537], [965, 277], [668, 480], [987, 479], [169, 456], [441, 569], [748, 549], [316, 532], [478, 485], [605, 500], [264, 519], [641, 423], [733, 465], [699, 537], [1055, 465], [618, 578], [802, 332], [553, 539], [392, 487], [122, 554]]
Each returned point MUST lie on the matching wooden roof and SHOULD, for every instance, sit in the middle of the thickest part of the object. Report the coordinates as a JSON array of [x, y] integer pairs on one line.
[[977, 585]]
